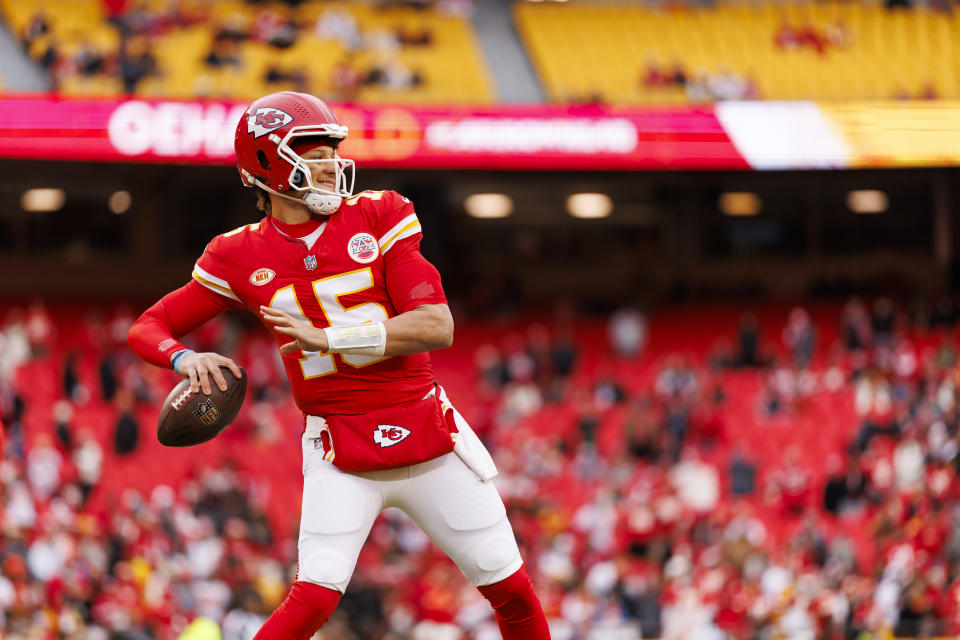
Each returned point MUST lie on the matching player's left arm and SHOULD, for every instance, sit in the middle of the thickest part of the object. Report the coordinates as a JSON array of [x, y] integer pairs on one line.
[[423, 328], [413, 285]]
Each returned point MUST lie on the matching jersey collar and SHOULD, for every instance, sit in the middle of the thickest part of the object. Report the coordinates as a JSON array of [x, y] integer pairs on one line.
[[306, 233]]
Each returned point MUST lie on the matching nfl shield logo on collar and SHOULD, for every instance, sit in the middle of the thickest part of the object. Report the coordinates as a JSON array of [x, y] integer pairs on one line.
[[310, 262]]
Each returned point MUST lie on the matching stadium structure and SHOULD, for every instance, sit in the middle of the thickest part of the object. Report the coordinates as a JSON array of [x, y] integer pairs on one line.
[[702, 257]]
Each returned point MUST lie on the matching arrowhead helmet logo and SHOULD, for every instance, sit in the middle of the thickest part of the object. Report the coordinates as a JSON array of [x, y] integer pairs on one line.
[[387, 435], [267, 119]]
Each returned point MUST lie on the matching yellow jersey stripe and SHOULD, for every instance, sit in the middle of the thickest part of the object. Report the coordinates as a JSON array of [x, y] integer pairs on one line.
[[397, 228], [407, 231], [215, 287]]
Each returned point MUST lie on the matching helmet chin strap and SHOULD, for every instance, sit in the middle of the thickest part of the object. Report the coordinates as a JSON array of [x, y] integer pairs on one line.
[[321, 204]]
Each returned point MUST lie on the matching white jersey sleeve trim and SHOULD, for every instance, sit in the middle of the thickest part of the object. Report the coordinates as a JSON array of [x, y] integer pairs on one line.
[[406, 228], [212, 282], [387, 239]]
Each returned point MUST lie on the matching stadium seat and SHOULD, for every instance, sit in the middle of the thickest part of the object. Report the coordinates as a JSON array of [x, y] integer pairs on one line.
[[868, 52], [447, 68]]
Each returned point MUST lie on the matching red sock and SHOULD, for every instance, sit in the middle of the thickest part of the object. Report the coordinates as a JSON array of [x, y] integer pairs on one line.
[[517, 607], [301, 613]]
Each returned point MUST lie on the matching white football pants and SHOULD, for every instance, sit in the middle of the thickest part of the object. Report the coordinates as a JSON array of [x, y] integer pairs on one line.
[[463, 515]]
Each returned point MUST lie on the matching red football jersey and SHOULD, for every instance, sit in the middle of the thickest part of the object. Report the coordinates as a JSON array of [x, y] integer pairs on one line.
[[365, 266]]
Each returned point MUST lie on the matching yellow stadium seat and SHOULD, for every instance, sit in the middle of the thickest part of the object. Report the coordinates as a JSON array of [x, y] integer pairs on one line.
[[889, 51], [452, 67]]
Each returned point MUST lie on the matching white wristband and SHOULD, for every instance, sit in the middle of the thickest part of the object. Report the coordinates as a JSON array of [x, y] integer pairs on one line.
[[368, 339]]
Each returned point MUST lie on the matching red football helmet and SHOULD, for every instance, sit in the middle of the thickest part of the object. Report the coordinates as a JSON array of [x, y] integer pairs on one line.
[[264, 146]]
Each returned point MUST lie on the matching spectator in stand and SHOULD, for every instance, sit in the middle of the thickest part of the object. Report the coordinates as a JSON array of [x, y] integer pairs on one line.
[[44, 467], [909, 463], [811, 37], [653, 76], [564, 354], [346, 79], [136, 62], [677, 381], [884, 319], [538, 349], [72, 388], [390, 73], [787, 36], [272, 28], [791, 484], [697, 483], [608, 391], [88, 459], [126, 433], [39, 329], [839, 35], [856, 330], [15, 347], [89, 60], [337, 23], [677, 387], [873, 403], [798, 336], [490, 366], [846, 487], [657, 77], [420, 36], [944, 312], [294, 78], [235, 27], [245, 616], [36, 27], [627, 332], [641, 431], [748, 343], [224, 52], [929, 91], [108, 376], [743, 473], [12, 408], [62, 414], [724, 84]]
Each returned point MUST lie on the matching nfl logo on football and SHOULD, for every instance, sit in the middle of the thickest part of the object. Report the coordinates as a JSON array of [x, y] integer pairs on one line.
[[207, 413], [363, 248]]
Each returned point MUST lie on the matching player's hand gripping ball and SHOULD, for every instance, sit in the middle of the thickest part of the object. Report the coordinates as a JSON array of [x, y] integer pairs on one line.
[[189, 418]]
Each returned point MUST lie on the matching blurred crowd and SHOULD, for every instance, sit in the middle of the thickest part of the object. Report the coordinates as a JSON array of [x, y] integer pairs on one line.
[[631, 464], [369, 56], [702, 85]]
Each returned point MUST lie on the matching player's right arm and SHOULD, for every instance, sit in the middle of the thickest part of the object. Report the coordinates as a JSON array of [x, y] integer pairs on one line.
[[154, 335]]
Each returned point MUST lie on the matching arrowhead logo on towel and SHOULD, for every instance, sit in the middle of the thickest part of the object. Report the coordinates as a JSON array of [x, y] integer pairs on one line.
[[387, 435]]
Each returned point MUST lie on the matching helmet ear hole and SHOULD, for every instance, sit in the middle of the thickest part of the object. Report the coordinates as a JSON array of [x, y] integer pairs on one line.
[[263, 160], [297, 178]]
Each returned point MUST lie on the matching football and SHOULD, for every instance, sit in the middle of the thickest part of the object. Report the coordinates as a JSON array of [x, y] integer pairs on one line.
[[188, 418]]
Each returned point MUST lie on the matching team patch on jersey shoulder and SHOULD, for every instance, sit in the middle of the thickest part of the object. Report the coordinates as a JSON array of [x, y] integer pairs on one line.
[[262, 276], [387, 435], [363, 248]]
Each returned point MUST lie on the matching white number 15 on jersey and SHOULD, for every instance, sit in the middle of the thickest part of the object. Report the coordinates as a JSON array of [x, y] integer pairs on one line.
[[328, 291]]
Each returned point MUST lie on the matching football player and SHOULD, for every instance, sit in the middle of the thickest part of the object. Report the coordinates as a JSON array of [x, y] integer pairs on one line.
[[340, 281]]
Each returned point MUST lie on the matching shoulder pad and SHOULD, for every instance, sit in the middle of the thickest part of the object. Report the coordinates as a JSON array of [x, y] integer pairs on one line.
[[368, 195], [247, 227]]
